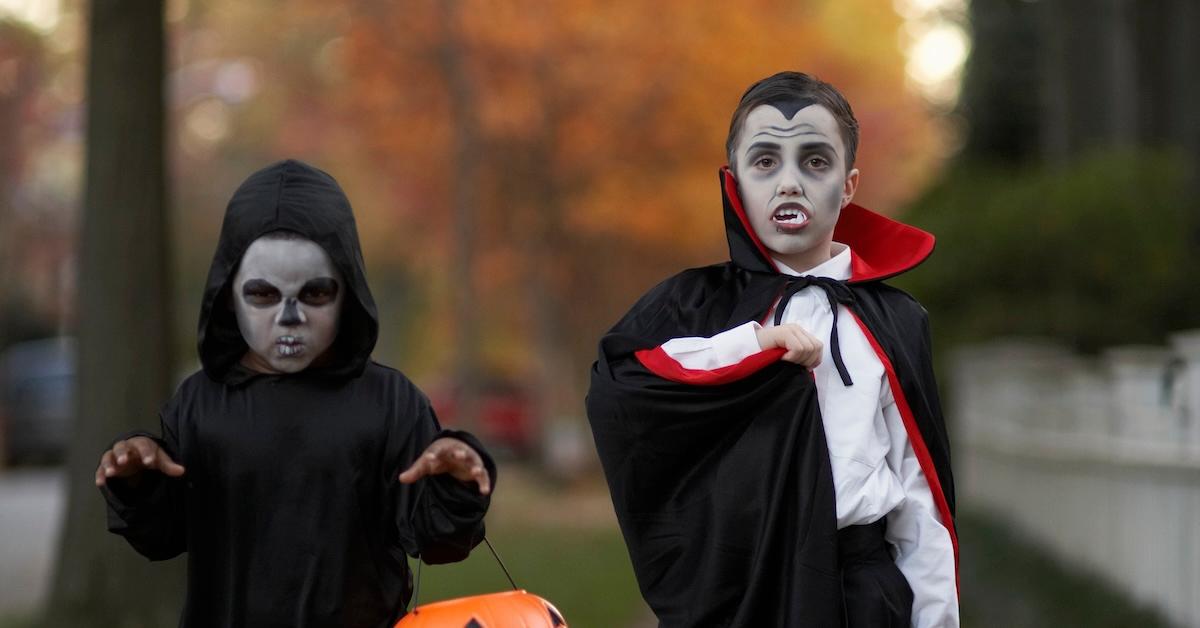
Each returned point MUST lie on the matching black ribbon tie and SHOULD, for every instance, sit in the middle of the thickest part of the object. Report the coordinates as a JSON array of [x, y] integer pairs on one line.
[[838, 293]]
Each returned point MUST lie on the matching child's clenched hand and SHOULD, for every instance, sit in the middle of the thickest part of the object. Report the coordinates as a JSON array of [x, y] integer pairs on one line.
[[802, 347]]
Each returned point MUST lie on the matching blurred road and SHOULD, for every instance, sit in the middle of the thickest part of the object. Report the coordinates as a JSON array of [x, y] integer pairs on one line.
[[31, 508]]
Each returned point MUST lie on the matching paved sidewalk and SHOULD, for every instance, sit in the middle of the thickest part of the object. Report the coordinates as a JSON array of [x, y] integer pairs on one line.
[[31, 509]]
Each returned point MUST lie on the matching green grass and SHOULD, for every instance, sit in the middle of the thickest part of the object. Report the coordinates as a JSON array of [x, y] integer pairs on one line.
[[559, 542], [16, 621], [584, 573]]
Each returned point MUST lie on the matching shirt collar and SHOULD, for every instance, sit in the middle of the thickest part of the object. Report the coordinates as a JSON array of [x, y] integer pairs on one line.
[[836, 267]]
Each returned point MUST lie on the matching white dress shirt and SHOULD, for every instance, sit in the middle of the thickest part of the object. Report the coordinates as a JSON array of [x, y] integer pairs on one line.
[[875, 472]]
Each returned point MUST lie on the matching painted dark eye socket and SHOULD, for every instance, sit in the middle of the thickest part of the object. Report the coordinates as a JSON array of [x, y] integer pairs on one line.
[[321, 291], [764, 162], [260, 293], [818, 163]]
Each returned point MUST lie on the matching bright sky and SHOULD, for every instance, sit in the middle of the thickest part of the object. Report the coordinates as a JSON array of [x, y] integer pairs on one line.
[[936, 44]]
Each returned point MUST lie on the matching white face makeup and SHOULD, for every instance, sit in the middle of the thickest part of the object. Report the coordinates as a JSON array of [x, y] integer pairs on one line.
[[793, 182], [288, 298]]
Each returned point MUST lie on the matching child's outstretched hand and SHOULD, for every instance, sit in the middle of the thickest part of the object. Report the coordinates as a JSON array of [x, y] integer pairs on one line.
[[802, 347], [128, 458], [450, 455]]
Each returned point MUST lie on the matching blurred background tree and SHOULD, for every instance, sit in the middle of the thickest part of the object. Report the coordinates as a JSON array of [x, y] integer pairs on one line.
[[23, 62], [124, 336], [1072, 211]]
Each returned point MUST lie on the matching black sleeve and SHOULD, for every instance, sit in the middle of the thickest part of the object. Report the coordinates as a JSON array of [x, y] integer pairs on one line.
[[151, 515], [440, 518]]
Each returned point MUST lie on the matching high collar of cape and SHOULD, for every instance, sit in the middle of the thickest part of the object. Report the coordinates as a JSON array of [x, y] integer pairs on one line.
[[291, 196], [880, 247]]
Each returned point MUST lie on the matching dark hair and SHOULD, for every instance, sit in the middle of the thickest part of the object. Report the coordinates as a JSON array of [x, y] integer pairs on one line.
[[793, 87]]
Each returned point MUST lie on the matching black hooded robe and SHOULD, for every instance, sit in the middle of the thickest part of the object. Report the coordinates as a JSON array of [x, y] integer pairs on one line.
[[290, 509], [721, 479]]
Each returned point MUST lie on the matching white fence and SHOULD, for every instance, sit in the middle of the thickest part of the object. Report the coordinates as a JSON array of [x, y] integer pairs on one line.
[[1096, 459]]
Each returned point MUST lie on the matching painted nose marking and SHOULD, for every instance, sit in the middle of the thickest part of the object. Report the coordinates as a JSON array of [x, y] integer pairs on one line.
[[291, 314]]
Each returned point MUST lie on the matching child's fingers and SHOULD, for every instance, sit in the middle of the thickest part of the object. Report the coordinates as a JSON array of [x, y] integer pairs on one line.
[[120, 461], [117, 462], [412, 474], [108, 464], [803, 348], [467, 466], [143, 450], [427, 464], [168, 466], [447, 455], [482, 479], [120, 451], [105, 468]]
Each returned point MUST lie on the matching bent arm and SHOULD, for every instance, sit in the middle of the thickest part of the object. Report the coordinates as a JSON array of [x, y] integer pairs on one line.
[[718, 351], [149, 509], [440, 517]]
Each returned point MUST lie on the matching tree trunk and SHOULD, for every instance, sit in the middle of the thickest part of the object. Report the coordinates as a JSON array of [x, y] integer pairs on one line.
[[1054, 121], [465, 182], [548, 248], [1120, 71], [124, 367], [1184, 93]]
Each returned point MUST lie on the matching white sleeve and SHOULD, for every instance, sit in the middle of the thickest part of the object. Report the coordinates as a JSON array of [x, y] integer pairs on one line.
[[724, 349], [924, 551]]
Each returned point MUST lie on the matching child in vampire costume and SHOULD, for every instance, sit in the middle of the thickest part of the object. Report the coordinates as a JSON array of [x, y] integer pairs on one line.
[[294, 471], [770, 427]]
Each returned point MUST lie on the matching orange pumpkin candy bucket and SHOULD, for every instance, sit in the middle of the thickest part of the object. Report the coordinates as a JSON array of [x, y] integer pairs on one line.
[[508, 609], [516, 609]]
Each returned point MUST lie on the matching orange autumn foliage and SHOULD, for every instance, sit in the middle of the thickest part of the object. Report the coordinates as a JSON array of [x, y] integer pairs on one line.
[[592, 133], [600, 128]]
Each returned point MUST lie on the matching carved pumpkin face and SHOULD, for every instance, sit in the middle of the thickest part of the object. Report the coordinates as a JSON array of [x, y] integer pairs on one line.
[[493, 610]]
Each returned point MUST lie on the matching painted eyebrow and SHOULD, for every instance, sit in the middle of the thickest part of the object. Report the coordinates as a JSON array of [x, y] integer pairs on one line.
[[257, 284], [818, 146], [807, 146], [762, 146], [321, 283]]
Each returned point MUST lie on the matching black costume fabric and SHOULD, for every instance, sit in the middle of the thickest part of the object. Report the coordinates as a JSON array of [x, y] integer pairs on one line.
[[290, 509], [721, 480]]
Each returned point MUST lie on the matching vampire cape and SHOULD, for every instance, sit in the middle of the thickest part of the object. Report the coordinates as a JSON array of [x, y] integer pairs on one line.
[[290, 510], [721, 479]]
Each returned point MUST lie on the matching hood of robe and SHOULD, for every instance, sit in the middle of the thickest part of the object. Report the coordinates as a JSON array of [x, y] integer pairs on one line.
[[879, 246], [293, 196]]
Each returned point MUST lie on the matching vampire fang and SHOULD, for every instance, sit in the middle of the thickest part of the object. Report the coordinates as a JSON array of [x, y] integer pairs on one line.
[[790, 214]]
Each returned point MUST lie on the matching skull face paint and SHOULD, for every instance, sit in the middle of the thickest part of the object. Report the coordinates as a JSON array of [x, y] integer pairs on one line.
[[792, 179], [287, 295]]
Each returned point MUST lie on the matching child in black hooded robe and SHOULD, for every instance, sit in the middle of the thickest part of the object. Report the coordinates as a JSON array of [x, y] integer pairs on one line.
[[294, 471]]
